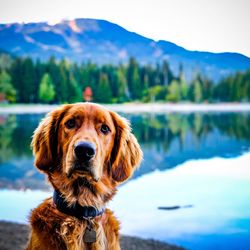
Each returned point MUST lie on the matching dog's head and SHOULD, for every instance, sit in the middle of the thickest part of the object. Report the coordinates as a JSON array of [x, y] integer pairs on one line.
[[85, 146]]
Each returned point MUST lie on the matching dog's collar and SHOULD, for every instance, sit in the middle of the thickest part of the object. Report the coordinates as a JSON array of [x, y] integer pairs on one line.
[[78, 211]]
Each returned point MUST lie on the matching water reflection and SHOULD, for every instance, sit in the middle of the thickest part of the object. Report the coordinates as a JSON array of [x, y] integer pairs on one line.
[[169, 140], [151, 129], [16, 162], [7, 126], [15, 135], [166, 139]]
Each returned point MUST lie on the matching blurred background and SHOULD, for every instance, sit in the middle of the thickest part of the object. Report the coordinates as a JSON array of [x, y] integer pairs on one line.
[[180, 72]]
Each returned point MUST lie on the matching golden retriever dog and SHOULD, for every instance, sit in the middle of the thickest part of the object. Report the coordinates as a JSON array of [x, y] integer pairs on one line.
[[86, 151]]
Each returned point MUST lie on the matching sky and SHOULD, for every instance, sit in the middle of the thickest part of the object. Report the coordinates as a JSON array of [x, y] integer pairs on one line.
[[204, 25]]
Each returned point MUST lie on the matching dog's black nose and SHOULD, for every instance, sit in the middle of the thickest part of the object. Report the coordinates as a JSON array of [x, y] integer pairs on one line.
[[84, 151]]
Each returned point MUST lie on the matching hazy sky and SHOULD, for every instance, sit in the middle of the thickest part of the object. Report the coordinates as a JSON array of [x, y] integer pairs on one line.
[[210, 25]]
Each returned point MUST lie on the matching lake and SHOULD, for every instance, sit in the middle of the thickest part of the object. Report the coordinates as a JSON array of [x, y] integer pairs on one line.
[[196, 166]]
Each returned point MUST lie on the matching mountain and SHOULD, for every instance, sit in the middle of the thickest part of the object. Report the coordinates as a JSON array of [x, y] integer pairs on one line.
[[104, 42]]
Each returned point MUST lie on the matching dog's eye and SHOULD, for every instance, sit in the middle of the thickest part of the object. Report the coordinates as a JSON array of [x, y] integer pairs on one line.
[[71, 123], [105, 129]]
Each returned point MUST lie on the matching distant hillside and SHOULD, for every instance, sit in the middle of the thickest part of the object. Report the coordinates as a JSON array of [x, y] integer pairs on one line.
[[104, 42]]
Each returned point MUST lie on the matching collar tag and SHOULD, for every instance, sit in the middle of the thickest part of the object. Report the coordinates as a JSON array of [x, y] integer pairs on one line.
[[90, 233]]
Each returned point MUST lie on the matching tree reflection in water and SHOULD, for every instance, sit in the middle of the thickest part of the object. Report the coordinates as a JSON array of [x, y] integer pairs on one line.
[[166, 139]]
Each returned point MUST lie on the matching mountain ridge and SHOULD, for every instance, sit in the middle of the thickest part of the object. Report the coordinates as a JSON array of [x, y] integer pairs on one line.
[[104, 42]]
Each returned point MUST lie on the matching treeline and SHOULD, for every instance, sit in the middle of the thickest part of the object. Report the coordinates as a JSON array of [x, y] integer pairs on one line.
[[26, 81]]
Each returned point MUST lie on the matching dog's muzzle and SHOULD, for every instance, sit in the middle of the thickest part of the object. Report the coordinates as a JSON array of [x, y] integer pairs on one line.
[[84, 152]]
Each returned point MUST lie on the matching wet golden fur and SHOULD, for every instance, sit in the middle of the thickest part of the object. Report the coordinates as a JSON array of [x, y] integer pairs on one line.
[[117, 155]]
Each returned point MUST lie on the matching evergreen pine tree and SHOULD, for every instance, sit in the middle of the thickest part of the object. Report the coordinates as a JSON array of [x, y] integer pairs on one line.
[[166, 73], [46, 89], [123, 93], [63, 87], [207, 90], [40, 69], [133, 79], [6, 87], [29, 88], [54, 72], [103, 92], [17, 78], [183, 84], [196, 91], [174, 92], [74, 91]]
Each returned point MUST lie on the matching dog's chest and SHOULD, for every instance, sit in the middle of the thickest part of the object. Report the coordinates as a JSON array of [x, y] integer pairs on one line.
[[78, 236]]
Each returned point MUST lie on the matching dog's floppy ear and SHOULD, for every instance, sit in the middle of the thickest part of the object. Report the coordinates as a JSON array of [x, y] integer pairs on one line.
[[126, 154], [45, 141]]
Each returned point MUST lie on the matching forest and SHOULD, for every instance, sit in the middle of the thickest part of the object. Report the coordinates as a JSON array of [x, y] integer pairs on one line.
[[23, 80]]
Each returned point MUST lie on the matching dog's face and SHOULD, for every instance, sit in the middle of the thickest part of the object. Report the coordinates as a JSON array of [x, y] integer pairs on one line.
[[86, 135], [85, 147]]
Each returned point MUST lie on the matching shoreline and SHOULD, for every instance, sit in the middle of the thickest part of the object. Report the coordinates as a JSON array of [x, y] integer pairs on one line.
[[14, 236], [136, 108]]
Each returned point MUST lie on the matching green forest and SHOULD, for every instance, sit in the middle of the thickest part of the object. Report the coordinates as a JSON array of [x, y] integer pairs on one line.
[[23, 80]]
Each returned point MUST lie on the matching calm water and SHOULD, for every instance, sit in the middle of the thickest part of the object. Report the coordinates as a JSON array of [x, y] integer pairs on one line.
[[216, 191]]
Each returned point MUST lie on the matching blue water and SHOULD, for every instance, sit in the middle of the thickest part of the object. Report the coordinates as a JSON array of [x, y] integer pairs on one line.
[[220, 214]]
